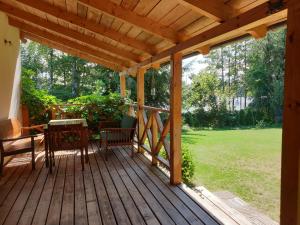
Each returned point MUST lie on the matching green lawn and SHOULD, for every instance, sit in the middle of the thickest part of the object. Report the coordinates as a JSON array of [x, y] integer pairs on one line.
[[245, 162]]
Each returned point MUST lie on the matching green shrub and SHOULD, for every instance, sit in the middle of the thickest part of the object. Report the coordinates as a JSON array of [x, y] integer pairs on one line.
[[188, 165], [95, 108], [38, 102]]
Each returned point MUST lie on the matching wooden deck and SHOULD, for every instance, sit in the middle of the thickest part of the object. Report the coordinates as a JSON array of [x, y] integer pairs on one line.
[[120, 191]]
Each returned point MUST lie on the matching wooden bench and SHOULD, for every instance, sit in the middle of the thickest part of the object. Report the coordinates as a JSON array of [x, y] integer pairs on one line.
[[14, 139]]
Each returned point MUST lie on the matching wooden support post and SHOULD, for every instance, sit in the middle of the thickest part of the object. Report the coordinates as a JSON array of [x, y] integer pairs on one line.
[[141, 102], [122, 85], [175, 125], [154, 131], [290, 172]]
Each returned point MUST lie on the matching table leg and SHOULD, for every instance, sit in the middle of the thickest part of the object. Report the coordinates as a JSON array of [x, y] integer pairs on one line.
[[46, 149]]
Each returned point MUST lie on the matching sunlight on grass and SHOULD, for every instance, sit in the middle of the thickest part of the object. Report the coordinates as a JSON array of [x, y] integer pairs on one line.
[[245, 162]]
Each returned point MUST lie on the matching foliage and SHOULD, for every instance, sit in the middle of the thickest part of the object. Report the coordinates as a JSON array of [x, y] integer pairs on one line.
[[249, 71], [188, 165], [37, 101], [65, 76], [98, 107], [157, 80]]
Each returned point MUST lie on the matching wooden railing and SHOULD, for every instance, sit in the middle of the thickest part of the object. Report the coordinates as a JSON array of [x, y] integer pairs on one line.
[[153, 132]]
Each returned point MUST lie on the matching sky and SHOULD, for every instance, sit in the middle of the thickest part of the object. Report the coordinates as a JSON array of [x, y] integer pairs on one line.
[[196, 65]]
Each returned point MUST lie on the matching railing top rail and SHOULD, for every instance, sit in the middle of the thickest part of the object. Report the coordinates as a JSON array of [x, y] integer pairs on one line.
[[151, 108]]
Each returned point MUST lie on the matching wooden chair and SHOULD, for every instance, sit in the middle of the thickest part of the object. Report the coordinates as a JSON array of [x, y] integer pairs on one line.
[[117, 133], [13, 140], [65, 137]]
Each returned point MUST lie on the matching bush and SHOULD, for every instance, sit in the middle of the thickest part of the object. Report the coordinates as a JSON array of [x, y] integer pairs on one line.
[[188, 165], [38, 102], [95, 108]]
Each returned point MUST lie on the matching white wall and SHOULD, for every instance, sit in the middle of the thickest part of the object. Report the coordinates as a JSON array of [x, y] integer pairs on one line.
[[9, 69]]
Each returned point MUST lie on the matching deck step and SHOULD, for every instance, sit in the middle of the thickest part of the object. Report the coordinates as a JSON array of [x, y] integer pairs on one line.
[[220, 205], [248, 211]]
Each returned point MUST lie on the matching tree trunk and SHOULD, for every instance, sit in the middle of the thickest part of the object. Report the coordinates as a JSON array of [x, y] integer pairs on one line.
[[51, 70], [75, 78], [245, 69], [222, 64]]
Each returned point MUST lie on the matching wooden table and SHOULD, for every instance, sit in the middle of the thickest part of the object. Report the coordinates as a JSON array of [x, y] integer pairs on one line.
[[65, 122]]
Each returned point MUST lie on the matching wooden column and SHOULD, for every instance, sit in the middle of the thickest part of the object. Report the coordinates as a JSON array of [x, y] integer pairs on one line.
[[122, 85], [140, 102], [290, 174], [175, 125]]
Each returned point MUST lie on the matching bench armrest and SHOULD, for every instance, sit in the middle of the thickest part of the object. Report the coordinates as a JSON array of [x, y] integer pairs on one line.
[[39, 128], [17, 138]]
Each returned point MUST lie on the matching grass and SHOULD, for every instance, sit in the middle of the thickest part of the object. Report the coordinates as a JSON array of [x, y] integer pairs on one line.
[[245, 162]]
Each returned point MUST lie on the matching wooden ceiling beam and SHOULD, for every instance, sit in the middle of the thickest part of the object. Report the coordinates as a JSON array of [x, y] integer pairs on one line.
[[89, 25], [50, 36], [128, 16], [71, 51], [214, 9], [259, 32], [236, 26], [13, 11]]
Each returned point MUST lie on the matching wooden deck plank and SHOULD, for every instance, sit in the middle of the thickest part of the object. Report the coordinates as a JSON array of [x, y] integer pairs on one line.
[[158, 210], [19, 204], [32, 202], [122, 190], [8, 173], [67, 213], [116, 203], [80, 200], [141, 204], [103, 200], [5, 189], [13, 194], [165, 202], [93, 211], [188, 200], [163, 187], [41, 212], [57, 194], [133, 212]]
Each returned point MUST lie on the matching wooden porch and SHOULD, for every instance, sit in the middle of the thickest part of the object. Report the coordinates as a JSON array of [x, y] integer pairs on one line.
[[121, 190]]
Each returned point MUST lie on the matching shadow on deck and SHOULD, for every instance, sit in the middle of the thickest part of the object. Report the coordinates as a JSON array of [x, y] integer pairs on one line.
[[120, 191]]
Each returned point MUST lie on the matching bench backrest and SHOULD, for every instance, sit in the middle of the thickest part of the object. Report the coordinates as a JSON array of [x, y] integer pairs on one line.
[[10, 128]]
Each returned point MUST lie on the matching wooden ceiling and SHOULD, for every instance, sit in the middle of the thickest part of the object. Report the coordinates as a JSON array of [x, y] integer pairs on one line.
[[126, 34]]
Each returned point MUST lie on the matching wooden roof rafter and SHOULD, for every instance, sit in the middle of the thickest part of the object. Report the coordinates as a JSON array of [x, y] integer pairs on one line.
[[72, 51], [234, 27], [15, 12], [128, 16], [92, 26], [214, 9], [58, 39]]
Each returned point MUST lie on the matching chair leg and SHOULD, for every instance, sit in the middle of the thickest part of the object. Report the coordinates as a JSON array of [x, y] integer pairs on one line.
[[50, 162], [53, 158], [86, 155], [106, 152], [33, 159], [82, 158], [1, 165], [132, 151]]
